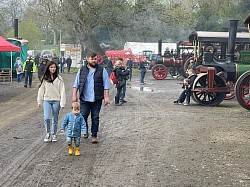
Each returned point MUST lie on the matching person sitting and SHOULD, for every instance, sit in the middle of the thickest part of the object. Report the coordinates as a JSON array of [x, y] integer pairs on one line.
[[187, 85]]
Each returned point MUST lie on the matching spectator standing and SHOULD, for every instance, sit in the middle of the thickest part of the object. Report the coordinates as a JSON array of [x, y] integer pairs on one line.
[[75, 127], [55, 59], [62, 62], [129, 65], [19, 69], [69, 63], [110, 67], [93, 84], [41, 68], [143, 71], [29, 67], [121, 74], [52, 94]]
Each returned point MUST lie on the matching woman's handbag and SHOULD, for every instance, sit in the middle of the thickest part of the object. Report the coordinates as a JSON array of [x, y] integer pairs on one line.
[[19, 70]]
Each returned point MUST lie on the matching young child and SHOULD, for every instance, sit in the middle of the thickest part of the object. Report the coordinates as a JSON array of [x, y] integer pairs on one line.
[[75, 126]]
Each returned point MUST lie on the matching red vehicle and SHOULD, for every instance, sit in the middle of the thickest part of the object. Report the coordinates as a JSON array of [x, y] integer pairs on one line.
[[125, 54]]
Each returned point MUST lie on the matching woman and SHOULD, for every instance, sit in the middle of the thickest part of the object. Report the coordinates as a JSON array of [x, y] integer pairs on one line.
[[121, 73], [19, 69], [52, 93]]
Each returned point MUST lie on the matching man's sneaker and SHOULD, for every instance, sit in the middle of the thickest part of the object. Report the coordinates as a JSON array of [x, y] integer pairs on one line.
[[185, 104], [47, 138], [54, 138], [177, 102], [94, 140], [118, 104], [123, 101], [85, 136]]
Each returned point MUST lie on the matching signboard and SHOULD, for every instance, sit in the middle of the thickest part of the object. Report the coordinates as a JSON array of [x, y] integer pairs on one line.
[[72, 50]]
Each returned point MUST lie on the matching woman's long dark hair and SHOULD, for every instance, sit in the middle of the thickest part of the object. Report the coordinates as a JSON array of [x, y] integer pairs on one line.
[[46, 75]]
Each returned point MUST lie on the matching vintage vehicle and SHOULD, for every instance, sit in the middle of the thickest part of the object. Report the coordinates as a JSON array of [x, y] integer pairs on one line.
[[242, 86], [216, 43], [172, 61], [125, 54], [210, 86]]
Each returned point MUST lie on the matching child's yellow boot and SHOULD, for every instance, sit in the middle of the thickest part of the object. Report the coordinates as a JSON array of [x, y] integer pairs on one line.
[[70, 149], [77, 153]]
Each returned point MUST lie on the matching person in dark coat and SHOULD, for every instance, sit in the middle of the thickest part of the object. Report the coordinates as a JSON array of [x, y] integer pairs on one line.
[[69, 62], [62, 62], [187, 85], [121, 73], [129, 65], [110, 67]]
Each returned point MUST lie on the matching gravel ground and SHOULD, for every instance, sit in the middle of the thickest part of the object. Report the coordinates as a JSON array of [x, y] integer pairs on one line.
[[147, 142]]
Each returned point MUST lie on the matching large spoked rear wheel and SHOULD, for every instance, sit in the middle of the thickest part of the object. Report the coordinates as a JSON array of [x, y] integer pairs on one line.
[[159, 72], [208, 98], [242, 90]]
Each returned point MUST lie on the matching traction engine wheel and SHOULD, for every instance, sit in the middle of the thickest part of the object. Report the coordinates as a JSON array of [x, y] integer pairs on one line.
[[208, 98], [159, 72], [242, 90]]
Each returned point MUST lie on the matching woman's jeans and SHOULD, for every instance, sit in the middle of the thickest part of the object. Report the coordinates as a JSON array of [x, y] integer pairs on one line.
[[76, 140], [48, 107], [19, 77], [94, 108]]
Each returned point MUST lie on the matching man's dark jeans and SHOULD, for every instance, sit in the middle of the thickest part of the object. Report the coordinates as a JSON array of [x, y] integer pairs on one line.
[[93, 108], [28, 75], [185, 95]]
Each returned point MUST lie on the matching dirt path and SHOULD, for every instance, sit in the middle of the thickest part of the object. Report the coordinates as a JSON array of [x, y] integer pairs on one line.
[[148, 141]]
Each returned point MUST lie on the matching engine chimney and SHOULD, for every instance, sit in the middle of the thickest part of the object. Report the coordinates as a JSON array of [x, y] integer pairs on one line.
[[16, 28], [231, 40], [159, 47]]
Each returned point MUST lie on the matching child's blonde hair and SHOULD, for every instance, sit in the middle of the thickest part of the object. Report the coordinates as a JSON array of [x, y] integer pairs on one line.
[[75, 105]]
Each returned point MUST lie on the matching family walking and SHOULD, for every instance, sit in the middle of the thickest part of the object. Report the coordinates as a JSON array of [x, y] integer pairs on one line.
[[92, 83]]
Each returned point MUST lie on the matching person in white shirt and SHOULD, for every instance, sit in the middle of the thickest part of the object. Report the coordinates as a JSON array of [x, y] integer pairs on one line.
[[52, 94]]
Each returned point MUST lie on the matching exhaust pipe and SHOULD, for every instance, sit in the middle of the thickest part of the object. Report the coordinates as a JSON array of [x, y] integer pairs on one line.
[[159, 47], [16, 28], [231, 40]]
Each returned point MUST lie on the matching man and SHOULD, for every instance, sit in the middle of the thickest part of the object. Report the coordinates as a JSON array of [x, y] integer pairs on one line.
[[62, 62], [92, 82], [110, 67], [129, 65], [69, 62], [143, 70], [29, 67]]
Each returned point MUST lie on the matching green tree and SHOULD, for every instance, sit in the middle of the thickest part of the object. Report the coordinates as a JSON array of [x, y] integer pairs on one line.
[[28, 30]]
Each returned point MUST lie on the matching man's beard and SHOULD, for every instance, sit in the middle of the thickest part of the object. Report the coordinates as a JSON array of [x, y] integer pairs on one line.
[[93, 65]]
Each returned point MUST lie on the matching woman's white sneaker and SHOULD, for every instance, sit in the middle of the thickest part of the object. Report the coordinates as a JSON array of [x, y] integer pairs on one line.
[[54, 138], [47, 138]]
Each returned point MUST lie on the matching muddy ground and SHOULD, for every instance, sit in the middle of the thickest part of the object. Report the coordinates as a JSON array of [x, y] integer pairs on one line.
[[147, 142]]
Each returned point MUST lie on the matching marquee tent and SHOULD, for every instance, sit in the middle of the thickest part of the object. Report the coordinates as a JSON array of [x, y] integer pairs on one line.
[[6, 46]]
